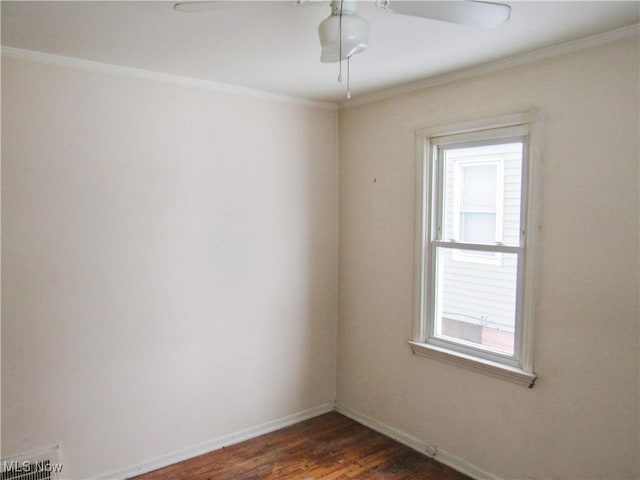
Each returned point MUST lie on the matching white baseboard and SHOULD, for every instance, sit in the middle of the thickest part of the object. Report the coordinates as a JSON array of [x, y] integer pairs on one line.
[[215, 444], [419, 445], [409, 440]]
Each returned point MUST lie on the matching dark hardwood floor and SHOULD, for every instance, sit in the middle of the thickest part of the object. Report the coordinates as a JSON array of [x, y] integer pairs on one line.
[[328, 447]]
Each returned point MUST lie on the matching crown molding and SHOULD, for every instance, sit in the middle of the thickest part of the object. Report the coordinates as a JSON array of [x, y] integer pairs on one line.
[[502, 64], [473, 71], [52, 59]]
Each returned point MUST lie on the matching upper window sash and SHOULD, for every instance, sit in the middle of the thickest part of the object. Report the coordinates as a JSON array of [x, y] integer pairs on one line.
[[437, 165], [486, 136]]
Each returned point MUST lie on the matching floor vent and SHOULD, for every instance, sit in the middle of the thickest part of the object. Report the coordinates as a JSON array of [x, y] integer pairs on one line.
[[40, 465]]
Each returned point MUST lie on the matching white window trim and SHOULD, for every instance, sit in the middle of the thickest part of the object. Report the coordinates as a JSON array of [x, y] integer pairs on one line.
[[521, 373]]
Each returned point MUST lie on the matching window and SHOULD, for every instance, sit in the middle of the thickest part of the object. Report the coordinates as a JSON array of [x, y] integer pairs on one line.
[[474, 251]]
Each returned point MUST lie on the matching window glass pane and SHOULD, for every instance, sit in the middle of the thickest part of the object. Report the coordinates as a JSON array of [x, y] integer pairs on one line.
[[475, 303], [478, 227], [479, 186], [484, 179]]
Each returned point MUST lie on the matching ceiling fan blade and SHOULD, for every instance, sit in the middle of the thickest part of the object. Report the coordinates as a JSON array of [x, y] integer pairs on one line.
[[469, 12]]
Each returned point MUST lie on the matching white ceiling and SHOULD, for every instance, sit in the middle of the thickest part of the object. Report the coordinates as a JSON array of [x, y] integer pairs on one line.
[[273, 46]]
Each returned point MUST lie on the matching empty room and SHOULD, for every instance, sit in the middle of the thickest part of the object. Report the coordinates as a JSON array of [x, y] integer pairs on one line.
[[315, 240]]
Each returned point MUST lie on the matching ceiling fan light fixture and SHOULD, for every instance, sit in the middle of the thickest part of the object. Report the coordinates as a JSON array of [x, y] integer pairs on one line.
[[355, 36]]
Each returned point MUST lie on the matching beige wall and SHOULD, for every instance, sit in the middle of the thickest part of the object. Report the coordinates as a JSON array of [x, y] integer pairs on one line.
[[169, 270], [169, 264], [582, 418]]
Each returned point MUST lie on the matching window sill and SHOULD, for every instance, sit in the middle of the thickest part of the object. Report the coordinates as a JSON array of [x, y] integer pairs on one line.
[[487, 367]]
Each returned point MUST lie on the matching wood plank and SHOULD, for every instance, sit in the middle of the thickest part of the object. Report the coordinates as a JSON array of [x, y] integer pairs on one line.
[[328, 447]]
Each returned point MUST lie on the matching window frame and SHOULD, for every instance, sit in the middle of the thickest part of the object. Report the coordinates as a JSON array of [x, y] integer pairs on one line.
[[517, 368]]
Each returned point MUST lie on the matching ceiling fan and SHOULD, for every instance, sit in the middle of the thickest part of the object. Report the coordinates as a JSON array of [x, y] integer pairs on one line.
[[344, 33], [344, 26]]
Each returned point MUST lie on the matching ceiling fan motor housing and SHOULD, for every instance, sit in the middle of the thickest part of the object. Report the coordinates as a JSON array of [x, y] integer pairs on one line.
[[344, 33]]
